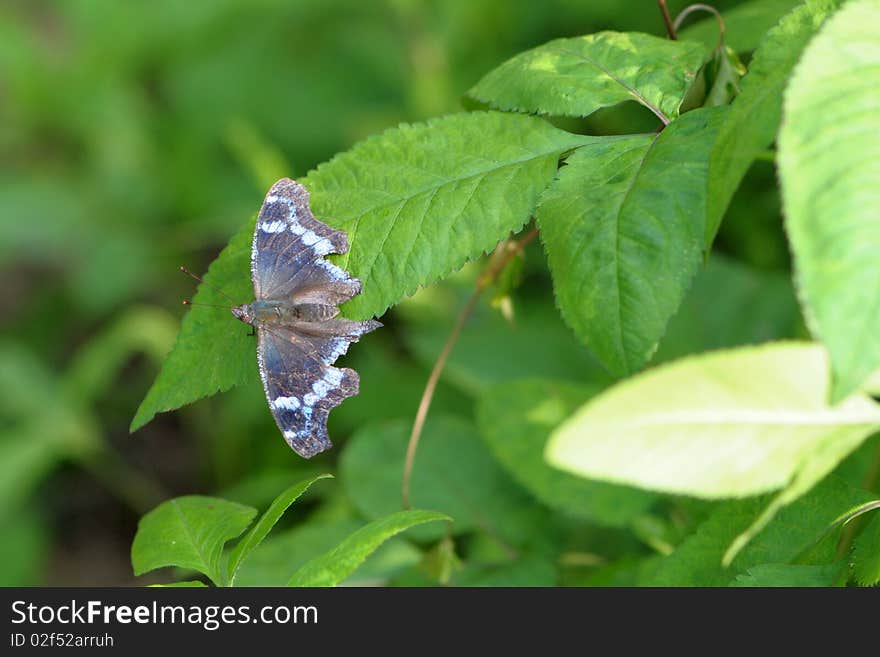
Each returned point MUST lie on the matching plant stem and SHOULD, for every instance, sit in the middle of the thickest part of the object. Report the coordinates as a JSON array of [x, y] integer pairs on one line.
[[667, 20], [502, 255], [687, 11]]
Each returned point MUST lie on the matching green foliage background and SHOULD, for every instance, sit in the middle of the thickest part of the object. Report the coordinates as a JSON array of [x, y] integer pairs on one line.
[[138, 136]]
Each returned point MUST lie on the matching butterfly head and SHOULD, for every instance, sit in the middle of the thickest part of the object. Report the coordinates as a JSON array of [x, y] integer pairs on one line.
[[244, 312]]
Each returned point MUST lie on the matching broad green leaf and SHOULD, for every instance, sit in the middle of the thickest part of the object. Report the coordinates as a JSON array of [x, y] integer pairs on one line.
[[723, 424], [795, 530], [866, 553], [213, 351], [454, 473], [731, 304], [577, 76], [336, 565], [753, 120], [789, 575], [419, 201], [285, 552], [744, 25], [829, 165], [623, 227], [189, 532], [516, 419], [264, 525]]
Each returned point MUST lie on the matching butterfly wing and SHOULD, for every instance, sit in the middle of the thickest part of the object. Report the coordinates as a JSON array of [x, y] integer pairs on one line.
[[287, 239], [301, 386]]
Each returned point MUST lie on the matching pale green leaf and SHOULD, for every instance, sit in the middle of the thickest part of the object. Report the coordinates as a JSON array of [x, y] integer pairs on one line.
[[866, 553], [189, 532], [753, 120], [516, 419], [419, 201], [744, 24], [872, 385], [723, 424], [577, 76], [623, 227], [829, 165], [213, 351], [789, 575], [264, 525], [336, 565]]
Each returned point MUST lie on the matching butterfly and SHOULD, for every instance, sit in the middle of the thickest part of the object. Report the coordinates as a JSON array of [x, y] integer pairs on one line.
[[295, 315]]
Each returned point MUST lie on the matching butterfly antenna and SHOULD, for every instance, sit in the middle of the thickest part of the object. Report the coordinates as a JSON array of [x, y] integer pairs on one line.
[[187, 302]]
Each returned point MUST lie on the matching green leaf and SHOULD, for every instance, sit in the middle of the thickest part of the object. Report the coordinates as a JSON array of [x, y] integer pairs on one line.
[[526, 570], [790, 575], [454, 472], [189, 532], [697, 561], [829, 165], [872, 385], [212, 352], [516, 419], [336, 565], [419, 201], [753, 120], [577, 76], [286, 551], [744, 25], [724, 424], [623, 227], [264, 525], [866, 553]]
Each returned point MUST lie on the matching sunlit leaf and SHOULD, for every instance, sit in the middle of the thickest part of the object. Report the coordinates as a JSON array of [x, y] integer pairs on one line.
[[829, 165], [577, 76], [785, 574], [724, 424]]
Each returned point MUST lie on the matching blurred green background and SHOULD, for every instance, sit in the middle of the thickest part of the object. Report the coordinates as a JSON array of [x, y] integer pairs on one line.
[[136, 136]]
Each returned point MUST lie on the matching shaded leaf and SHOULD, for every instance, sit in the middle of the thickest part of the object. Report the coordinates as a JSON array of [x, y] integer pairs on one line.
[[623, 227], [454, 472], [264, 525], [516, 419], [724, 424], [577, 76], [189, 532], [790, 575], [697, 561], [336, 565], [753, 120], [829, 165]]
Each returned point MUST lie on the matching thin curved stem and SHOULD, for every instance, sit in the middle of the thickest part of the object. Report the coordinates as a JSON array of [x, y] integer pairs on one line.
[[687, 11], [504, 252]]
